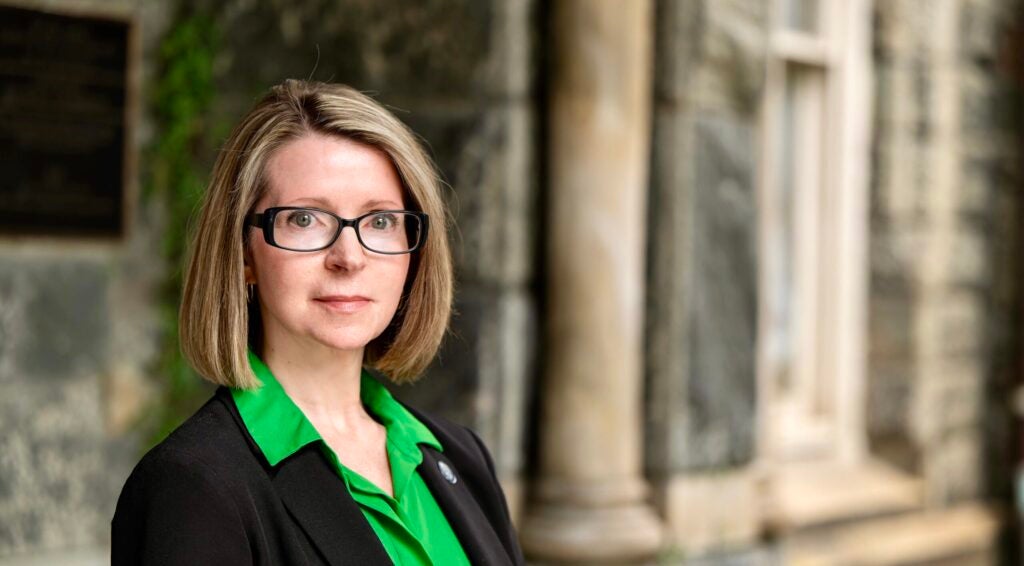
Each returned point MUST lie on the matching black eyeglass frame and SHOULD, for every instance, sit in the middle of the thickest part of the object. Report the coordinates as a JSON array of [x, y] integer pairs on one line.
[[265, 221]]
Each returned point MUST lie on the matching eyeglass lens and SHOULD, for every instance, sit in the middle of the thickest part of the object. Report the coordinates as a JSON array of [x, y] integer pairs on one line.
[[307, 229]]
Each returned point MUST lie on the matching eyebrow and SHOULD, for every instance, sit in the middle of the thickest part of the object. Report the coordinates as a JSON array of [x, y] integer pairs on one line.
[[375, 203]]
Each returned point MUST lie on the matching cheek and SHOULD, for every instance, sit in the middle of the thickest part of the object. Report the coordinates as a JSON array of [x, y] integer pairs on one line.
[[275, 275], [395, 277]]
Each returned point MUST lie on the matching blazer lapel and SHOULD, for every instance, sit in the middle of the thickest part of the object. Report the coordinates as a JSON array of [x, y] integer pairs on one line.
[[318, 500], [478, 539]]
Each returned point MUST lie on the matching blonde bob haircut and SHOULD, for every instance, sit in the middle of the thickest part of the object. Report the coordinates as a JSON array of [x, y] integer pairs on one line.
[[218, 323]]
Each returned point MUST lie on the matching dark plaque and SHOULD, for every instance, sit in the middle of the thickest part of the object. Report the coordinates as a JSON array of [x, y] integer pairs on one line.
[[63, 131]]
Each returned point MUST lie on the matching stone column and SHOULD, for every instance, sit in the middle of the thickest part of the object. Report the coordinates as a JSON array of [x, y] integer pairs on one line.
[[590, 494]]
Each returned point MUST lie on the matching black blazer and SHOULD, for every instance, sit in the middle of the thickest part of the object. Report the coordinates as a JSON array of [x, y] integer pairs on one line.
[[206, 495]]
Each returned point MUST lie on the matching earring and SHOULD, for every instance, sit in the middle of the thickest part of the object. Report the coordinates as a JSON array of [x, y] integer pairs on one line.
[[249, 289]]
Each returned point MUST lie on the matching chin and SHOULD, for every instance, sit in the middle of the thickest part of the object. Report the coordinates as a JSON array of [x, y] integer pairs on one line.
[[347, 340]]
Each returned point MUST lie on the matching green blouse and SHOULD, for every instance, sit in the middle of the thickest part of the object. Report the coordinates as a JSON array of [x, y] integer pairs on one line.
[[411, 526]]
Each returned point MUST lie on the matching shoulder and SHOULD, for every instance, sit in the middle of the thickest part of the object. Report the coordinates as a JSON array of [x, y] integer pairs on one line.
[[185, 489], [204, 453], [210, 439]]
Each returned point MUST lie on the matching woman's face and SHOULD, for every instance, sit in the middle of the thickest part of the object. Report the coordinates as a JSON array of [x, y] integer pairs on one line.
[[344, 296]]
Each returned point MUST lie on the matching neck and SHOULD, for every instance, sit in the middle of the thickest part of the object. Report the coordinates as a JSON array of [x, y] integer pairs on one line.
[[323, 382]]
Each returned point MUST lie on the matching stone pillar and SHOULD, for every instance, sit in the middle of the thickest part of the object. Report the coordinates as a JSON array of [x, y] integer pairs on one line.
[[590, 494]]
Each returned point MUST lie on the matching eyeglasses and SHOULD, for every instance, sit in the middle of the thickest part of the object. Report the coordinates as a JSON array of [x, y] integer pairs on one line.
[[301, 229]]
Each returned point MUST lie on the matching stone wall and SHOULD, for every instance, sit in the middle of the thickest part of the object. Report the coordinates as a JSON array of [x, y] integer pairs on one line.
[[702, 268], [701, 306], [78, 328], [944, 307]]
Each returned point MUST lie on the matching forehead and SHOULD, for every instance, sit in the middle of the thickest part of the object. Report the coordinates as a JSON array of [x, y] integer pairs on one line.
[[331, 170]]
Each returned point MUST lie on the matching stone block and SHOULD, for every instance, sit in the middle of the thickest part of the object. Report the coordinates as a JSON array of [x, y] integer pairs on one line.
[[958, 327], [734, 56], [711, 53], [437, 50], [891, 327], [703, 384], [953, 401], [905, 27], [986, 105], [680, 27], [509, 72], [953, 469], [979, 180], [905, 87], [59, 475], [890, 398], [970, 258], [54, 318], [127, 396], [487, 159], [900, 172], [709, 512], [979, 31], [958, 401], [886, 80]]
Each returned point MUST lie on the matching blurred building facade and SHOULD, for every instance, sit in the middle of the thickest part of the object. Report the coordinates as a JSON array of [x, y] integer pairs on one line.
[[738, 280]]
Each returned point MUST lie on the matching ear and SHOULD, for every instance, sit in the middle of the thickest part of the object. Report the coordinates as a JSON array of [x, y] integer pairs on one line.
[[248, 272]]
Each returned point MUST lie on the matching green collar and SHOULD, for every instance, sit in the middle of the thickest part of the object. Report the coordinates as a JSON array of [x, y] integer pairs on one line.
[[280, 428]]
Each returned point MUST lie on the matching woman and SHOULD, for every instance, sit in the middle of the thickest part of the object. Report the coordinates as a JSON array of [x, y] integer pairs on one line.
[[321, 250]]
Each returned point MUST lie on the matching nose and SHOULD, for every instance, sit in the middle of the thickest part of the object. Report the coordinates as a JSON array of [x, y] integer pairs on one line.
[[346, 253]]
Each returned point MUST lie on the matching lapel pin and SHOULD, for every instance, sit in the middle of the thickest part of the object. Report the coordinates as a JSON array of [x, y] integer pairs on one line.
[[447, 472]]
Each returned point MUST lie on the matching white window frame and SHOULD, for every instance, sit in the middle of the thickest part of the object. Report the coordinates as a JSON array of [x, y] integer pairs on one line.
[[830, 261]]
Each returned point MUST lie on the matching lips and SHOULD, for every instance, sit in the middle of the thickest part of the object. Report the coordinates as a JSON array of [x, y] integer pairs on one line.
[[343, 303]]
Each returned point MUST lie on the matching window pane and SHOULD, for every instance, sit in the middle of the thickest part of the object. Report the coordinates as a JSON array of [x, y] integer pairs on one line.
[[795, 252], [793, 262], [801, 15]]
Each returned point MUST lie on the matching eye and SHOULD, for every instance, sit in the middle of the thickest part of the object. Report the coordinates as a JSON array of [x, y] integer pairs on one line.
[[383, 221], [301, 218]]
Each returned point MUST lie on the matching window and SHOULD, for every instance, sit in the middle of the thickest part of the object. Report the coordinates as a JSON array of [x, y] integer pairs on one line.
[[813, 232]]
